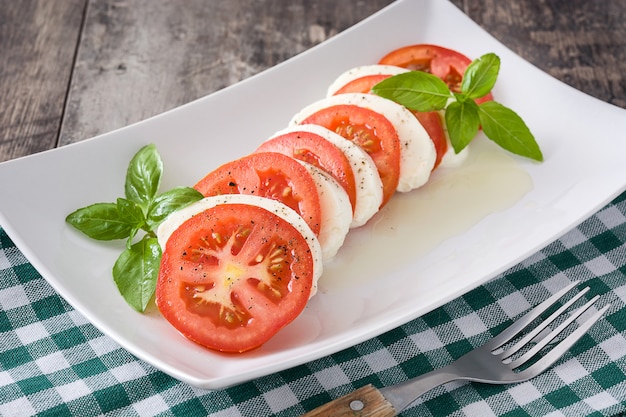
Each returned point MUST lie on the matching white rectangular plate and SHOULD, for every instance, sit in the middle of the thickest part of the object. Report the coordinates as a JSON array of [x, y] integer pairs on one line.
[[582, 139]]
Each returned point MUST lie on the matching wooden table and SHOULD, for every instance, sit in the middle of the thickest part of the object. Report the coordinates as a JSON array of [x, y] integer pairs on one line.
[[73, 69]]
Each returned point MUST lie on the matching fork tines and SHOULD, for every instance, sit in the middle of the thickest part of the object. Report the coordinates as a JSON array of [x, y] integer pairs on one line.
[[531, 340]]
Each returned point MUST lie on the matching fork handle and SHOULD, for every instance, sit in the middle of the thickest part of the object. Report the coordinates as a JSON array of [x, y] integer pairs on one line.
[[367, 401]]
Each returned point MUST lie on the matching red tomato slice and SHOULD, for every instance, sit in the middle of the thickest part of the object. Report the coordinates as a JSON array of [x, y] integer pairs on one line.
[[433, 124], [362, 84], [314, 149], [372, 132], [268, 174], [447, 64], [430, 120], [233, 275]]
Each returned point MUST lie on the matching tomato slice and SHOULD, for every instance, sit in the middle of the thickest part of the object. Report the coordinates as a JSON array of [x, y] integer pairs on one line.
[[268, 174], [314, 149], [362, 84], [372, 132], [431, 121], [447, 64], [233, 275]]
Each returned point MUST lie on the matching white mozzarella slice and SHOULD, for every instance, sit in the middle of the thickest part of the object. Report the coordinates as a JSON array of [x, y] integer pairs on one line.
[[362, 71], [417, 152], [369, 187], [176, 219], [336, 212]]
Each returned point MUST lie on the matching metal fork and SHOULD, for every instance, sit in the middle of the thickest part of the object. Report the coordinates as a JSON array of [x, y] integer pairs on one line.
[[491, 363]]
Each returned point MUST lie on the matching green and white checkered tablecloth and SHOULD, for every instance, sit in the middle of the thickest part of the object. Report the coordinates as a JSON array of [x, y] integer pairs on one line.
[[54, 363]]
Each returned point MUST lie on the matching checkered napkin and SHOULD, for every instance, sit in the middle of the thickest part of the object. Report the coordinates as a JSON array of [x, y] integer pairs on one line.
[[54, 363]]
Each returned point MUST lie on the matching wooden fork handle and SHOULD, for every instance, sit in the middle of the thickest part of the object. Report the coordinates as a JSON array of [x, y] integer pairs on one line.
[[364, 402]]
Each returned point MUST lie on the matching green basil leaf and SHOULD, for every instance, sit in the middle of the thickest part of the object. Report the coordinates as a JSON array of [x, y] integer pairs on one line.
[[136, 271], [100, 221], [130, 212], [143, 176], [462, 122], [480, 76], [170, 201], [415, 90], [131, 237], [503, 126]]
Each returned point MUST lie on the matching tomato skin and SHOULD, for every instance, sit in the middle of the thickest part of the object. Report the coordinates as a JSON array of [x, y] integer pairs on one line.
[[372, 132], [447, 64], [313, 149], [267, 174], [431, 121], [232, 276], [362, 84]]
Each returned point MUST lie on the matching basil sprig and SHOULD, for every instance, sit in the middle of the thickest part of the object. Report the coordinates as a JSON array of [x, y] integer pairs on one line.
[[424, 92], [142, 210]]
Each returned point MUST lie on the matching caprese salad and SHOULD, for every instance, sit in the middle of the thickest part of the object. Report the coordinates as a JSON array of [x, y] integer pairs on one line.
[[243, 256]]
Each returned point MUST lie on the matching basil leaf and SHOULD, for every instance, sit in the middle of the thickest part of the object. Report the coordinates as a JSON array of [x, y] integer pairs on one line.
[[170, 201], [136, 270], [130, 212], [503, 126], [131, 237], [415, 90], [480, 76], [100, 221], [462, 122], [143, 176]]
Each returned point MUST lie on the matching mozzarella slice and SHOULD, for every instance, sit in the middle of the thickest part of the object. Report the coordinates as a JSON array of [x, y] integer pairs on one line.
[[362, 71], [176, 219], [369, 192], [417, 155], [336, 211]]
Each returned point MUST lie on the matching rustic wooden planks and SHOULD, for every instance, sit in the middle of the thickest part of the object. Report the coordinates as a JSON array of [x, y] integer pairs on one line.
[[139, 58], [580, 42], [38, 41]]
